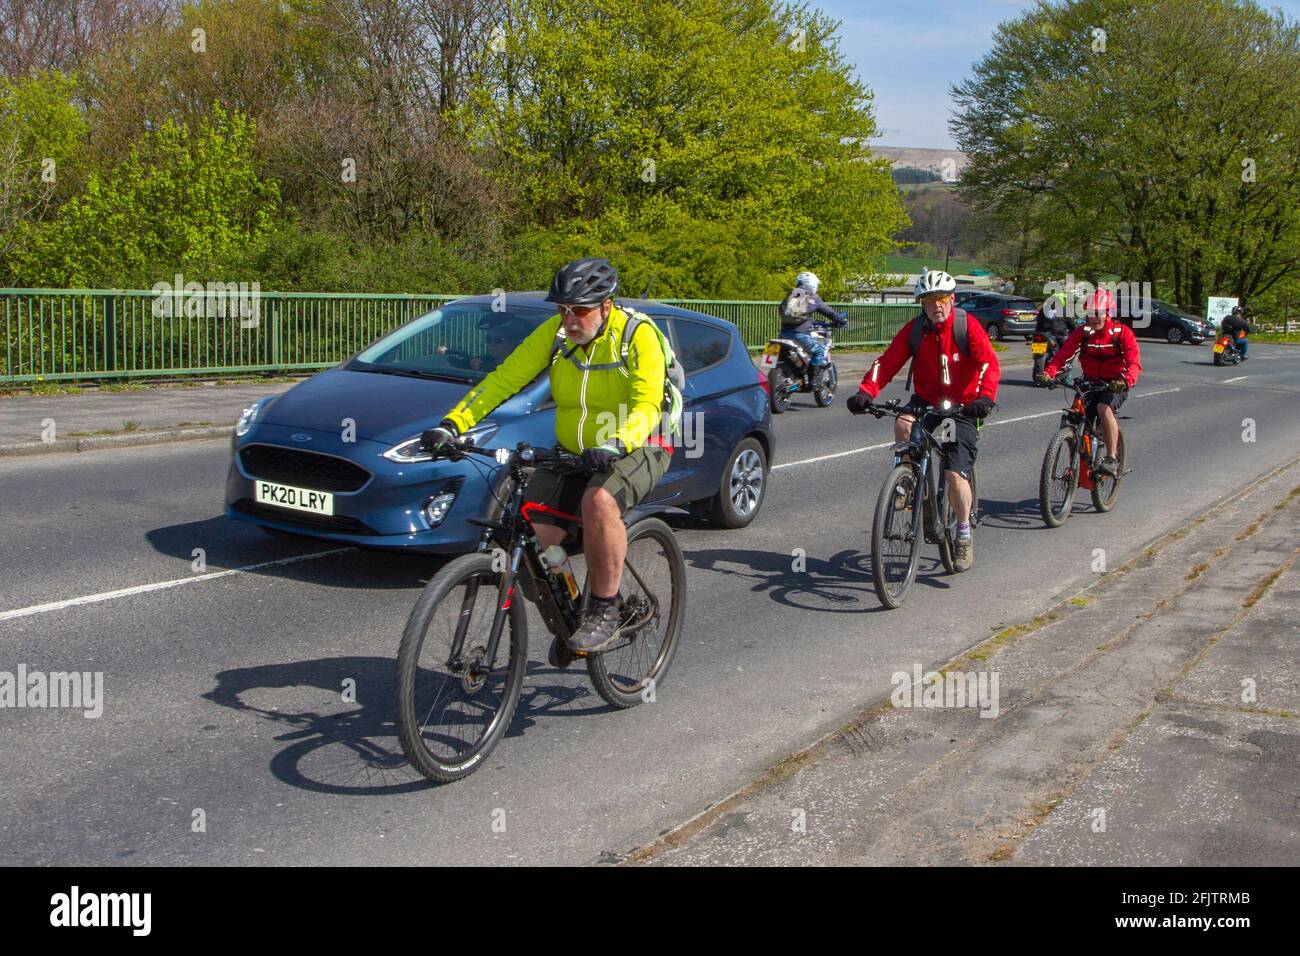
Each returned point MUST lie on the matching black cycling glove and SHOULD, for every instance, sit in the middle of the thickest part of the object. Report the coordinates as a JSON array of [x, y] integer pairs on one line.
[[435, 440], [859, 403]]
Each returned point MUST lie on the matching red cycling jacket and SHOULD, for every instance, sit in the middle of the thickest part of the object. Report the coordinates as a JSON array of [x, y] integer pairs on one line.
[[939, 370], [1109, 353]]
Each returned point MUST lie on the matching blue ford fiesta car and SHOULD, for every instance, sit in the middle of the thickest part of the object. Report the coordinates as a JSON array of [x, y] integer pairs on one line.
[[338, 456]]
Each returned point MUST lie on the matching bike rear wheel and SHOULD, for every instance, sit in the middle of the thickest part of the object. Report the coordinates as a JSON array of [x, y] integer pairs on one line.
[[895, 544], [654, 605], [948, 533], [450, 716], [778, 384], [1105, 491], [1058, 479]]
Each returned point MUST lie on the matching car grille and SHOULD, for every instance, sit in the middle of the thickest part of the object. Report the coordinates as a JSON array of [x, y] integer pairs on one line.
[[339, 523], [305, 469]]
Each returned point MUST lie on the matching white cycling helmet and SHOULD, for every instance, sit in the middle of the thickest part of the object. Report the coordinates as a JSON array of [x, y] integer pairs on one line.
[[808, 281], [933, 280]]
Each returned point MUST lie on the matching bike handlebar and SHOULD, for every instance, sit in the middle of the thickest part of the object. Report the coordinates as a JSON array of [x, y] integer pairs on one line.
[[522, 453], [892, 408]]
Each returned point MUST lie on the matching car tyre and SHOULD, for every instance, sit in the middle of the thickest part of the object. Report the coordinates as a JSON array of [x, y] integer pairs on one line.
[[995, 331], [743, 486], [1174, 335]]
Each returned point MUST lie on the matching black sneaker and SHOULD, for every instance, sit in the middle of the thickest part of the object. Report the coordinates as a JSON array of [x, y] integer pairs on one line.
[[559, 655], [599, 627], [1107, 466]]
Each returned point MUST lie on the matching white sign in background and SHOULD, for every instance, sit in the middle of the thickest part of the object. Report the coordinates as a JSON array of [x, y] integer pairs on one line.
[[1217, 308]]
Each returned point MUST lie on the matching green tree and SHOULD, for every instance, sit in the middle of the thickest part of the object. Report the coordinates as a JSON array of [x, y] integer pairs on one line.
[[42, 137], [1164, 149], [621, 120], [185, 199]]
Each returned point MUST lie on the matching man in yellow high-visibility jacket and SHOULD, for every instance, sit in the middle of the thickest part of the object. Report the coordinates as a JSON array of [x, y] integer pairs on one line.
[[607, 410]]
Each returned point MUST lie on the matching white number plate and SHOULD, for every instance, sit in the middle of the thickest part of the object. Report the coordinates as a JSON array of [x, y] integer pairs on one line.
[[299, 499]]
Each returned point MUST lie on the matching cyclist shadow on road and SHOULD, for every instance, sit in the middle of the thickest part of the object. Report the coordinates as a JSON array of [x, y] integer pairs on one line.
[[1015, 515], [349, 746], [840, 584]]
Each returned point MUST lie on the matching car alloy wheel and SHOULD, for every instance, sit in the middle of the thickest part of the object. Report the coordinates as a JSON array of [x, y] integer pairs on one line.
[[1174, 334], [743, 484], [746, 483]]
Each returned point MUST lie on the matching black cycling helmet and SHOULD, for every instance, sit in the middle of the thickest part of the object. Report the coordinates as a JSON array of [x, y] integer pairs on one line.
[[584, 282]]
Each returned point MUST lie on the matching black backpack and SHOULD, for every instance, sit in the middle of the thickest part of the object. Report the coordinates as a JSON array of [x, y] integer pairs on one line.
[[960, 332]]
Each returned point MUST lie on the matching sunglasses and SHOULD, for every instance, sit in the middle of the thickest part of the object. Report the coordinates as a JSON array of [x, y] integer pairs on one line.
[[577, 310]]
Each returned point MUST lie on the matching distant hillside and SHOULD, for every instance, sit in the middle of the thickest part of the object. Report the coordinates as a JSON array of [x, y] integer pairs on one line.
[[932, 160]]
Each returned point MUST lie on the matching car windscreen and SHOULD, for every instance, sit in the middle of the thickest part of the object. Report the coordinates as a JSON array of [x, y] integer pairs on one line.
[[1023, 305], [461, 340]]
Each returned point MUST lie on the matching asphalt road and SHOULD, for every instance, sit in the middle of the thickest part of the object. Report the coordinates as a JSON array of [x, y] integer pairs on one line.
[[223, 692]]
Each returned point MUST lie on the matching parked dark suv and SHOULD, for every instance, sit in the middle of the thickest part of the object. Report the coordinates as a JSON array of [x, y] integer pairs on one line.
[[1002, 315]]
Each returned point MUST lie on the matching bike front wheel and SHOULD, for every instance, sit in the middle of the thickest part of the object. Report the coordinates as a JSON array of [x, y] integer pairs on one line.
[[453, 705], [653, 587], [1105, 491], [895, 544], [1058, 478]]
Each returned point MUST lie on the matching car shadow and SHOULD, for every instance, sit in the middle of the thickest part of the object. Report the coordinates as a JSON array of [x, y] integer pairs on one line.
[[841, 584], [350, 748], [228, 544]]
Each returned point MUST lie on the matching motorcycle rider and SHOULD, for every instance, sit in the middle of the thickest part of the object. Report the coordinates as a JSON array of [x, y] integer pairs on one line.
[[591, 386], [1236, 326], [941, 372], [798, 311], [1108, 351]]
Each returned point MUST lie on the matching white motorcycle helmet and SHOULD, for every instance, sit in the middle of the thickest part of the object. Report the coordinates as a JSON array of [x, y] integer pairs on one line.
[[807, 280], [933, 280]]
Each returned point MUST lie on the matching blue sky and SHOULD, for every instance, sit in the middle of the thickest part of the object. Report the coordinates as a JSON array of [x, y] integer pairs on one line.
[[911, 53]]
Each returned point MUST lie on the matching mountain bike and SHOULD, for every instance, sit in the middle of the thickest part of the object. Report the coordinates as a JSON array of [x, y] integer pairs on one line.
[[1072, 458], [913, 504], [461, 663]]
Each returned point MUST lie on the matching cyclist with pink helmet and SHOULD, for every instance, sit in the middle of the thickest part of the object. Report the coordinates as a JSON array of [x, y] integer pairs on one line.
[[1108, 352]]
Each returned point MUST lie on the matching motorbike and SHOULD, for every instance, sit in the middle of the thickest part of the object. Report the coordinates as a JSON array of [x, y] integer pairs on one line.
[[1225, 350], [1043, 347], [790, 370]]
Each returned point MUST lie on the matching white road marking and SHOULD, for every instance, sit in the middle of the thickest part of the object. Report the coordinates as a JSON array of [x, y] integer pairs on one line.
[[1237, 379], [158, 586], [992, 424]]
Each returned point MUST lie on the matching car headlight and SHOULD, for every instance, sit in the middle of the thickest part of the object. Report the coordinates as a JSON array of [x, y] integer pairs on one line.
[[410, 451], [248, 417]]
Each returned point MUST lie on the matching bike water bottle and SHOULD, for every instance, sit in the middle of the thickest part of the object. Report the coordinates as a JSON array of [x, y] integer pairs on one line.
[[557, 563]]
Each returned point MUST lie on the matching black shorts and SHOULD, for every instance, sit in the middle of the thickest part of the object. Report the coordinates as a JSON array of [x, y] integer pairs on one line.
[[1114, 399], [958, 455], [631, 478]]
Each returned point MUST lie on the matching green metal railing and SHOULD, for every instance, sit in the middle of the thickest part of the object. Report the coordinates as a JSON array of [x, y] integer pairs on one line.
[[71, 334]]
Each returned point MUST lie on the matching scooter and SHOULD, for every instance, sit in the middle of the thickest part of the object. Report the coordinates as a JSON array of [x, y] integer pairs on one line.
[[790, 370], [1043, 347]]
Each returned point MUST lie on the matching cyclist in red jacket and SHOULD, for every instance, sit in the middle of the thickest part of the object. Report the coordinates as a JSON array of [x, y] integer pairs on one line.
[[945, 373], [1108, 352]]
